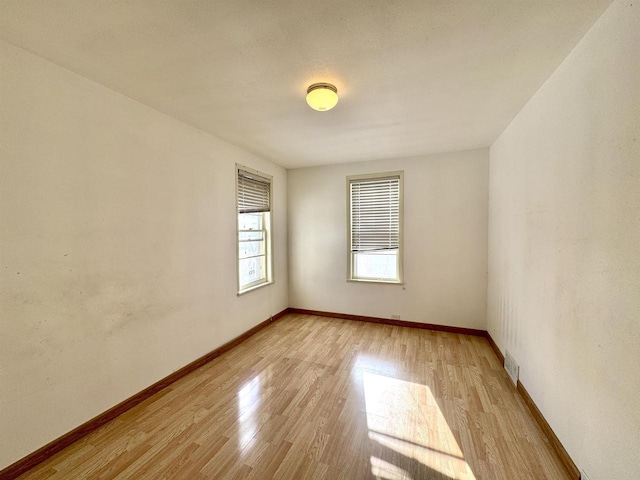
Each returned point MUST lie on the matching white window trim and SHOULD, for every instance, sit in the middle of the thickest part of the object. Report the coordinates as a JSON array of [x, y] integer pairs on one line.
[[350, 277], [268, 238]]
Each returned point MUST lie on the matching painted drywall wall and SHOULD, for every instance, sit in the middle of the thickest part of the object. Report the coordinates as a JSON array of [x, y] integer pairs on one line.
[[445, 241], [117, 249], [564, 237]]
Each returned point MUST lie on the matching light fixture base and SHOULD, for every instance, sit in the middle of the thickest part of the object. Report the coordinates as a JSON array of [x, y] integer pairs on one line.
[[322, 85], [322, 96]]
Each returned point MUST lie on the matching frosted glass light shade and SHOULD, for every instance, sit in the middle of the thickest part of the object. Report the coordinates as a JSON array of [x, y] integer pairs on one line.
[[322, 96]]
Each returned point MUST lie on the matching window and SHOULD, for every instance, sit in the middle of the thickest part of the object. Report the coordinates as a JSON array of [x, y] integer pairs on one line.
[[375, 227], [254, 228]]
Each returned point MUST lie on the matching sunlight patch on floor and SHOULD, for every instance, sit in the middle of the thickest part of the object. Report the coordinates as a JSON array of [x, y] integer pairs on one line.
[[405, 420], [388, 471]]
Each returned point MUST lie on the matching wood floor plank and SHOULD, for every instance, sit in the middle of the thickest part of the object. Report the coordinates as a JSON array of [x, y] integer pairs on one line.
[[319, 398]]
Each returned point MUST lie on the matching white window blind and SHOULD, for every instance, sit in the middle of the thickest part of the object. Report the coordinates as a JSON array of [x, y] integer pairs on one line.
[[254, 193], [375, 214]]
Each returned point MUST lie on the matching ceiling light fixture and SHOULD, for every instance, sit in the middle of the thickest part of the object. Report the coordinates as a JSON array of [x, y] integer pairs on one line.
[[322, 96]]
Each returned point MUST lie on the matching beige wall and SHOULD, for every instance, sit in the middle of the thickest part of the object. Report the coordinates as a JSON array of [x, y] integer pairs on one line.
[[445, 239], [117, 249], [564, 237]]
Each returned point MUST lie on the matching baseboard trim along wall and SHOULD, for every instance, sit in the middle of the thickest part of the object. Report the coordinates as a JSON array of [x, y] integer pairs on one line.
[[389, 321], [21, 466], [542, 422], [495, 348], [548, 431]]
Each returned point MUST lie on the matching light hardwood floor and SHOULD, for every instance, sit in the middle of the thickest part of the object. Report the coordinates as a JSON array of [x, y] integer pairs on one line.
[[311, 397]]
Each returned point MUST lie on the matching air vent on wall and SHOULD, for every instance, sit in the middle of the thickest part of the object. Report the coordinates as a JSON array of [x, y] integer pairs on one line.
[[511, 367]]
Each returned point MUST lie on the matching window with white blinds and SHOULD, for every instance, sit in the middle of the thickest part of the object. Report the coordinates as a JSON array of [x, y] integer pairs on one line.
[[253, 203], [375, 227]]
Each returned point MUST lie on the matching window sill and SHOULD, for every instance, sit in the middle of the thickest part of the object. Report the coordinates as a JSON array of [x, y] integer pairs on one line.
[[366, 280], [255, 287]]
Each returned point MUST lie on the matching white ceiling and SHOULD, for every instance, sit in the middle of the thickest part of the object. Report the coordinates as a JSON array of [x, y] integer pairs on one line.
[[414, 76]]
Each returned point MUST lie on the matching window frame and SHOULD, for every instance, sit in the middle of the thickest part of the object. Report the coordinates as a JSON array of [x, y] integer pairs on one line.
[[267, 227], [400, 257]]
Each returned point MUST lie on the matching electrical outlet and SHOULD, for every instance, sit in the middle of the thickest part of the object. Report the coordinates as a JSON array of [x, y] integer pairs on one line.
[[583, 475], [395, 317]]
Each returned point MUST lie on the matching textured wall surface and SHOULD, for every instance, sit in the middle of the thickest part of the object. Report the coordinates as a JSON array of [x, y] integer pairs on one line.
[[564, 239], [445, 241], [117, 246]]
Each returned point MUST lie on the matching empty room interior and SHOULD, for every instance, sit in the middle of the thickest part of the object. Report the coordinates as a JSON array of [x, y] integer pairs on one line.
[[320, 240]]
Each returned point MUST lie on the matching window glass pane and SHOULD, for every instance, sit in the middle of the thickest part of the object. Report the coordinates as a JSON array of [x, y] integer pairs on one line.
[[250, 249], [374, 265], [252, 271], [250, 221]]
